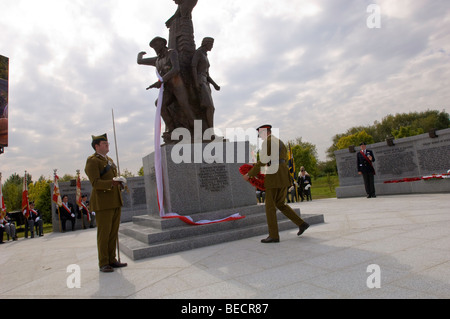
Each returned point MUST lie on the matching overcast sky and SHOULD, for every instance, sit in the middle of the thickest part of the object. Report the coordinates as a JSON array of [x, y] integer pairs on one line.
[[313, 69]]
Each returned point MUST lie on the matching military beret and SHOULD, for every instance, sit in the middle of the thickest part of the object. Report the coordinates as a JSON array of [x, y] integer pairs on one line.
[[362, 143], [99, 138], [266, 126], [156, 39]]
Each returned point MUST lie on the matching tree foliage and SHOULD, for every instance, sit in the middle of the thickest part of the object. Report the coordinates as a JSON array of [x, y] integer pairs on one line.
[[305, 154], [397, 126]]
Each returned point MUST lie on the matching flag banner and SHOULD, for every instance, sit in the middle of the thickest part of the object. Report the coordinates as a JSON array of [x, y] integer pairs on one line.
[[78, 195], [158, 163], [189, 220], [291, 162], [2, 201], [56, 198], [25, 203]]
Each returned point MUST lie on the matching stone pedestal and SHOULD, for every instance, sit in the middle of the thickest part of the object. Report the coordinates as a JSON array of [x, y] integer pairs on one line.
[[206, 186], [207, 180]]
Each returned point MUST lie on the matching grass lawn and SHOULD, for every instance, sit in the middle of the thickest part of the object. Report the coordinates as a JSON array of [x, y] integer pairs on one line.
[[324, 187]]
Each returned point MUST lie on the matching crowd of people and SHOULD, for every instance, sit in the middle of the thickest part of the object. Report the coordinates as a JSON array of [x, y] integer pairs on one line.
[[69, 212], [34, 224]]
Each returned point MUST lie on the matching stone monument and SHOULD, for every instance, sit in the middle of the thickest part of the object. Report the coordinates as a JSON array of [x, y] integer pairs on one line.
[[198, 176]]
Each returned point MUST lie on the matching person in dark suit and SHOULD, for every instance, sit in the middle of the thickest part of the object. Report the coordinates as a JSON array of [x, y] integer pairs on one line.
[[67, 212], [365, 158], [274, 159], [304, 181]]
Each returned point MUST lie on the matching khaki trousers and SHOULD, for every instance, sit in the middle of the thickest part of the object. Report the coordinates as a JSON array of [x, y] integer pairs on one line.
[[275, 198], [108, 222]]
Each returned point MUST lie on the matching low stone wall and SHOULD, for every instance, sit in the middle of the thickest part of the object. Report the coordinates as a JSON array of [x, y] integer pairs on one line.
[[398, 164]]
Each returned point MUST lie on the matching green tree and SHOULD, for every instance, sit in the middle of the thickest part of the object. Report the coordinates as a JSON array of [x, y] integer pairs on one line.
[[413, 123], [406, 131], [354, 139], [39, 193], [305, 154], [12, 192]]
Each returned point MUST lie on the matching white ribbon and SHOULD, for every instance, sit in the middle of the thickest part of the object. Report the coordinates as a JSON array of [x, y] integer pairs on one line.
[[158, 163]]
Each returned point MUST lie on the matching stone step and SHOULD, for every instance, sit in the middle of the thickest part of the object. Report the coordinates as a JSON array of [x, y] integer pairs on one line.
[[160, 223], [141, 246], [142, 230]]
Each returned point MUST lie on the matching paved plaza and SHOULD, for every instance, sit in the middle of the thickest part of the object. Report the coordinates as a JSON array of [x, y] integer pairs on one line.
[[400, 243]]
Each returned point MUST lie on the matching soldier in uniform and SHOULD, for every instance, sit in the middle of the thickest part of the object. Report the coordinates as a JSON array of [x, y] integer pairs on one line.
[[274, 158], [106, 201], [202, 81]]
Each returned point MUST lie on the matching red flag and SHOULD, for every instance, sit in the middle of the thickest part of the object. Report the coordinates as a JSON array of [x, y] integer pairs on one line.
[[25, 205], [78, 198], [56, 198], [2, 201]]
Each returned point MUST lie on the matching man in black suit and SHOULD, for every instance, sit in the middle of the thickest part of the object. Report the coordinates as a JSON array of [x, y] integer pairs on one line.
[[365, 158], [67, 213]]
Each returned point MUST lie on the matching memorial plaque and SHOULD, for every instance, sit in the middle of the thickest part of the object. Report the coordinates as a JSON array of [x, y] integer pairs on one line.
[[213, 178], [396, 161], [434, 157], [198, 187]]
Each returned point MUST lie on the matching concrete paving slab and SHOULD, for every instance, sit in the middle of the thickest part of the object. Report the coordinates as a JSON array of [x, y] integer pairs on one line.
[[407, 236]]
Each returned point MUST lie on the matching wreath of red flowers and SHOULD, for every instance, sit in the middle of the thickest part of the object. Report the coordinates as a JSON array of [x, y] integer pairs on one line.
[[257, 181]]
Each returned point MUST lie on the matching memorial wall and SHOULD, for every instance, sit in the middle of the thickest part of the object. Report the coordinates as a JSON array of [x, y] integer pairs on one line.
[[406, 166]]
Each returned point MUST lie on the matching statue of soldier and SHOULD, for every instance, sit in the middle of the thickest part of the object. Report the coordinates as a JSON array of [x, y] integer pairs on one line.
[[202, 79], [176, 110], [181, 34]]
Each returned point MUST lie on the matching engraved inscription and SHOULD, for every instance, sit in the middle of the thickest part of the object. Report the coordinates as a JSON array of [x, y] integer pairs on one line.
[[139, 196], [397, 161], [347, 167], [213, 178], [435, 160]]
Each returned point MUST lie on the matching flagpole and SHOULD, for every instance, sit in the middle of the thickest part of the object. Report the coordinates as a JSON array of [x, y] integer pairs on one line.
[[57, 206], [78, 198]]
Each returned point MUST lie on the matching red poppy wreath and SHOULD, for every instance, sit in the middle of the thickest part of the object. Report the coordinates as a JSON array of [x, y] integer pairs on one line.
[[257, 181]]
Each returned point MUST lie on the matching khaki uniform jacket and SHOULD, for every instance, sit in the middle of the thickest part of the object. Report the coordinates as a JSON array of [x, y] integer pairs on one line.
[[104, 195], [281, 178]]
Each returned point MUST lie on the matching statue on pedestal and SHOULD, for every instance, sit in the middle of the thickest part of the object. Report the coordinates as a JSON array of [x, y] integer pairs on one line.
[[184, 72]]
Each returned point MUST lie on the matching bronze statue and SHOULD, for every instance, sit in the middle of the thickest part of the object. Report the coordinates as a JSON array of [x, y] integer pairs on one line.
[[185, 72], [176, 110], [200, 74], [181, 32]]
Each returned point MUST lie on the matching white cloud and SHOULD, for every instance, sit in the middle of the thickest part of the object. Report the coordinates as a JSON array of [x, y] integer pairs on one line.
[[312, 68]]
